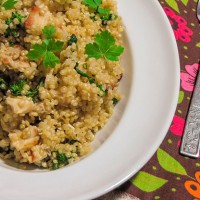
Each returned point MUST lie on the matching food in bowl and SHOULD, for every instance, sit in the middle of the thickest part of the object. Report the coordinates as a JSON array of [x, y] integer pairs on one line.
[[59, 76]]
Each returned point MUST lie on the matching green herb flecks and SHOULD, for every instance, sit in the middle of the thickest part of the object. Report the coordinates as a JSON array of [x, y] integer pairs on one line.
[[17, 87], [106, 18], [115, 101], [34, 92], [91, 80], [14, 16], [47, 49], [55, 166], [9, 4], [62, 160], [72, 39], [95, 4], [104, 46], [72, 141], [17, 31]]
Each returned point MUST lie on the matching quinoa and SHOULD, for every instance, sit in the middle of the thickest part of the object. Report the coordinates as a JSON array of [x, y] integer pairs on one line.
[[53, 119]]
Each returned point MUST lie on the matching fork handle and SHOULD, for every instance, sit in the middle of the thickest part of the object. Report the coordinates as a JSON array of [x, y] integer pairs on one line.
[[191, 137]]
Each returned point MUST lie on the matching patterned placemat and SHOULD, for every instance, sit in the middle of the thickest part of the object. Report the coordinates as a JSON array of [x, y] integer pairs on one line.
[[168, 175]]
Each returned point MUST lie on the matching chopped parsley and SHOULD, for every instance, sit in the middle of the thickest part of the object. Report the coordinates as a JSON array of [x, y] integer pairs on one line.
[[14, 16], [95, 4], [72, 39], [115, 101], [62, 160], [17, 31], [91, 80], [55, 166], [104, 46], [72, 141], [47, 49], [34, 92], [106, 18], [17, 87], [9, 4]]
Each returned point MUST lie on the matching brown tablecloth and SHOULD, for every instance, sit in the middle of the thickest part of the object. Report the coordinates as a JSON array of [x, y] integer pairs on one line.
[[168, 175]]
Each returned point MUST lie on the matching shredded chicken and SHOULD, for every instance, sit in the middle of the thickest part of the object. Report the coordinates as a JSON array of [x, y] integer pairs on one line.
[[38, 154], [7, 123], [26, 139], [37, 20], [13, 58], [20, 105]]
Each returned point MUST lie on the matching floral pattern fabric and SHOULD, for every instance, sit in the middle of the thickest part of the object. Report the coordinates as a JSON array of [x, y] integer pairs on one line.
[[168, 175]]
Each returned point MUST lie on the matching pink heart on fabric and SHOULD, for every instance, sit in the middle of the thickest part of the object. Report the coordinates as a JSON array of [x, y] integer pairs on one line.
[[177, 126]]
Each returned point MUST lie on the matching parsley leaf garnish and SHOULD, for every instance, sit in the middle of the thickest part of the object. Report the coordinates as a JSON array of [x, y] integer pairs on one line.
[[37, 51], [49, 31], [95, 4], [9, 4], [47, 49], [104, 45], [50, 59], [91, 80], [54, 46], [103, 11]]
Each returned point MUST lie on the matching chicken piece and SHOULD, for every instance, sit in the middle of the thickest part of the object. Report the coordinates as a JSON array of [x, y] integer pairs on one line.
[[37, 20], [20, 105], [10, 121], [34, 155], [13, 58], [39, 152], [26, 139]]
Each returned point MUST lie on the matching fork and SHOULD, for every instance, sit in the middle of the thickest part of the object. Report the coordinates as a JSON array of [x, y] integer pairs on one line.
[[191, 137]]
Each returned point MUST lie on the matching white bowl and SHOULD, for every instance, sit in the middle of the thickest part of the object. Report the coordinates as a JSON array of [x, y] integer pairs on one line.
[[150, 86]]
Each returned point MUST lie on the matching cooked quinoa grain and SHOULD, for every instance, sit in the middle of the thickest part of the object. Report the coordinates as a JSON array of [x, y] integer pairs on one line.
[[54, 93]]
